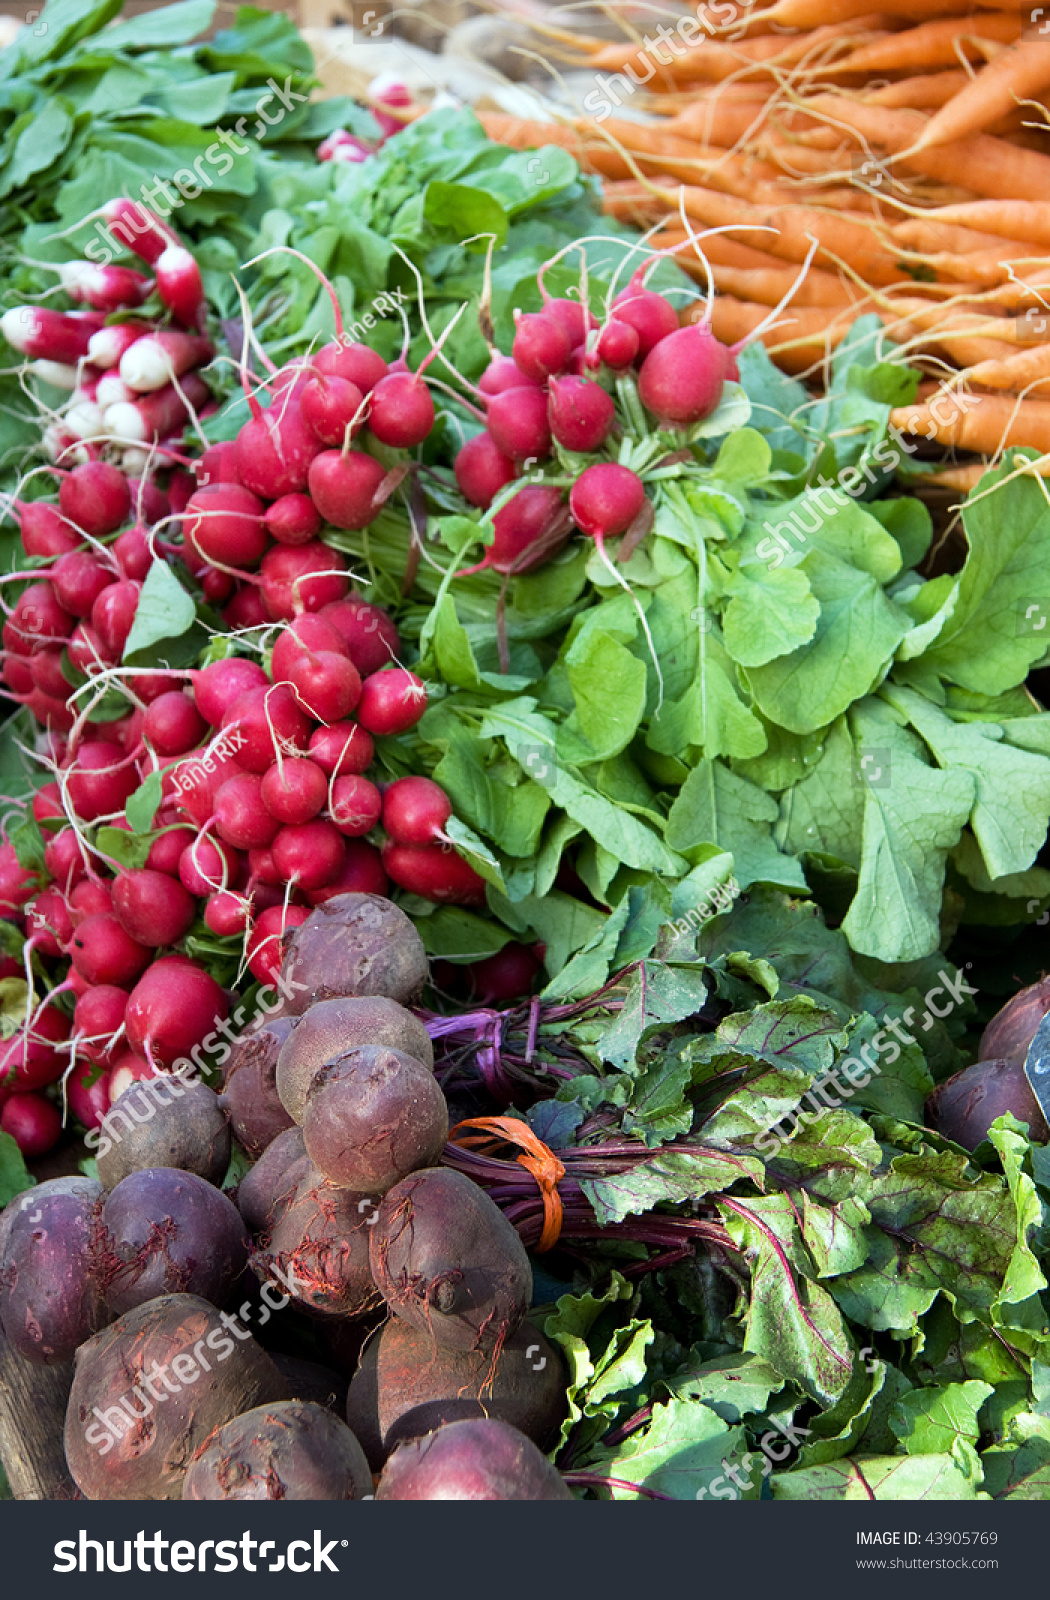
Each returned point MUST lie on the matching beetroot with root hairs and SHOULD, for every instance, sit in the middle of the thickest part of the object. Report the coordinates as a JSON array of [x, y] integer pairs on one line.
[[447, 1261], [267, 1186], [318, 1248], [250, 1084], [477, 1459], [372, 1116], [165, 1231], [330, 1028], [163, 1122], [50, 1301], [292, 1450], [355, 944], [121, 1444], [964, 1107], [406, 1385]]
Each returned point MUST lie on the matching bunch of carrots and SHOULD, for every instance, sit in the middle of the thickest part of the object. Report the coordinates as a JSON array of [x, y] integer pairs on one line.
[[910, 146]]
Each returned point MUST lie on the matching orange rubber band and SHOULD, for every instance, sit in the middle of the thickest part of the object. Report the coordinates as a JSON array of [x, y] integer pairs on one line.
[[538, 1158]]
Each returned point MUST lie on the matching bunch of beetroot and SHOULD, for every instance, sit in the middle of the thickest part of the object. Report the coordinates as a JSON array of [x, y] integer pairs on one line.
[[555, 391], [351, 1215]]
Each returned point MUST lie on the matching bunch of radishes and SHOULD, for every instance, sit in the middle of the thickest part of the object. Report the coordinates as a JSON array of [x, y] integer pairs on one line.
[[131, 382], [555, 390]]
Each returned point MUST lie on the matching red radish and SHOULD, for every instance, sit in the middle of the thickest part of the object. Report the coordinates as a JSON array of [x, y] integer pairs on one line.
[[308, 854], [64, 858], [294, 791], [138, 229], [529, 529], [153, 907], [17, 883], [206, 865], [86, 651], [216, 687], [52, 714], [227, 913], [392, 701], [107, 346], [402, 412], [49, 924], [58, 373], [329, 406], [267, 721], [218, 464], [181, 484], [18, 674], [415, 811], [265, 951], [45, 668], [103, 288], [111, 390], [302, 578], [361, 873], [148, 501], [126, 1070], [503, 373], [385, 92], [570, 315], [262, 869], [356, 806], [34, 1123], [224, 524], [307, 632], [481, 470], [649, 314], [31, 1060], [172, 724], [36, 618], [241, 817], [342, 145], [508, 975], [370, 633], [103, 952], [153, 361], [344, 747], [293, 519], [113, 615], [180, 286], [95, 497], [88, 1094], [79, 579], [51, 335], [98, 1018], [47, 802], [132, 552], [327, 684], [517, 421], [166, 850], [344, 487], [247, 609], [275, 449], [681, 378], [90, 898], [436, 872], [357, 363], [541, 345], [605, 499], [100, 780], [173, 1009], [580, 412], [45, 531], [159, 414]]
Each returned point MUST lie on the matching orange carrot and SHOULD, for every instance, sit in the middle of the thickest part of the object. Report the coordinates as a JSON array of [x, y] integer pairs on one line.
[[1006, 219], [1018, 370], [935, 44], [769, 285], [801, 338], [1017, 74], [924, 92], [712, 61], [933, 233], [812, 13], [990, 167], [989, 424]]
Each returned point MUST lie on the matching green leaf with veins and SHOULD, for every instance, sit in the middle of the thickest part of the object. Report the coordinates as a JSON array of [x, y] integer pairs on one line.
[[932, 1477], [771, 612], [913, 815], [825, 810], [716, 806], [928, 1421], [678, 1455]]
